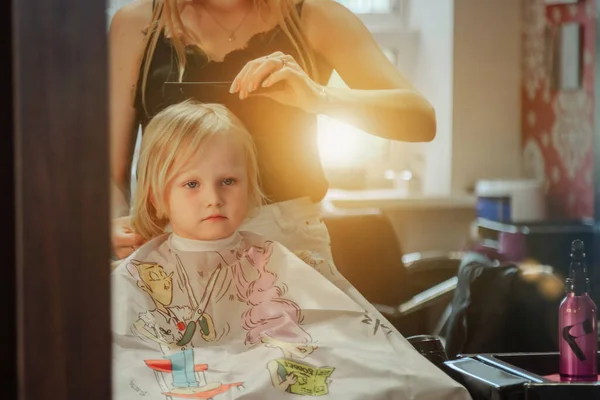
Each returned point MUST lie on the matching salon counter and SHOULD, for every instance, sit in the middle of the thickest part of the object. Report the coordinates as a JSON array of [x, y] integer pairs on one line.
[[390, 199], [422, 223]]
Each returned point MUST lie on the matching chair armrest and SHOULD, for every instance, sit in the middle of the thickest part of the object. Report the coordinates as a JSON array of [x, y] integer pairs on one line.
[[429, 297], [433, 259], [331, 211], [422, 300], [427, 269]]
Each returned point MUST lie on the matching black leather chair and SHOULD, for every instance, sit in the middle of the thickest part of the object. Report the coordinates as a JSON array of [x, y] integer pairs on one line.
[[411, 290], [503, 308]]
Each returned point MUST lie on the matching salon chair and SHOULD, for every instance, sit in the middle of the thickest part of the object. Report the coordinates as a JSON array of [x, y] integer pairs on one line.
[[499, 307], [412, 291]]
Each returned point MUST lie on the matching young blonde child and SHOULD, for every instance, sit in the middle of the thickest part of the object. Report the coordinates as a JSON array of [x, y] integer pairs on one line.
[[197, 171], [209, 308]]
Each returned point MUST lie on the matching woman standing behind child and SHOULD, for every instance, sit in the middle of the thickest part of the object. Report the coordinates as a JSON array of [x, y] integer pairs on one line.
[[226, 51], [210, 308]]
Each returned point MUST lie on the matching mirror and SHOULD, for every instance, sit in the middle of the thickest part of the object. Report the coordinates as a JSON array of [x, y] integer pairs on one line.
[[488, 69]]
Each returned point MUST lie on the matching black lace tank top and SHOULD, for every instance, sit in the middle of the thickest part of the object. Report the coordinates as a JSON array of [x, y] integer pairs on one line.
[[285, 137]]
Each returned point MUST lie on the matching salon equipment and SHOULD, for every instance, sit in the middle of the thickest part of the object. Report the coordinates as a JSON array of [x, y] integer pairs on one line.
[[519, 200], [517, 376], [430, 347], [577, 326]]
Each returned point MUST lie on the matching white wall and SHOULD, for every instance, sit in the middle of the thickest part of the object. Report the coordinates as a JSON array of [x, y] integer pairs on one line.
[[486, 131], [468, 64], [432, 75], [112, 6]]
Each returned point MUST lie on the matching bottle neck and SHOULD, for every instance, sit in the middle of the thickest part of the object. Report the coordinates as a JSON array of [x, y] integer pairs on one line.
[[577, 282]]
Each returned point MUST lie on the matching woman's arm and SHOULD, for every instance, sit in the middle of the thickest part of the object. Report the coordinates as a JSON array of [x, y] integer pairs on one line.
[[126, 44], [380, 100]]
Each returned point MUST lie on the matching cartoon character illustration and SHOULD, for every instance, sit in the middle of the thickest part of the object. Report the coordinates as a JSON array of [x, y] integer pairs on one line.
[[172, 328], [275, 321], [318, 263], [290, 374]]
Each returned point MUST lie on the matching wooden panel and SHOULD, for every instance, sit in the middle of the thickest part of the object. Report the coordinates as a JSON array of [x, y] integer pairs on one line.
[[62, 218], [7, 212]]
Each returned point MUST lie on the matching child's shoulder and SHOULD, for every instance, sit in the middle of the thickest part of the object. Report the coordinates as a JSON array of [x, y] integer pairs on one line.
[[147, 252]]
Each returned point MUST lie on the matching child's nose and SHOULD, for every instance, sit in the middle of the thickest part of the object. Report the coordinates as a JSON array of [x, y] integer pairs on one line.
[[214, 198]]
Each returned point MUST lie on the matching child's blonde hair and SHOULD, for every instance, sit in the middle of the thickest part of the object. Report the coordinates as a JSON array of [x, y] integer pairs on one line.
[[171, 138]]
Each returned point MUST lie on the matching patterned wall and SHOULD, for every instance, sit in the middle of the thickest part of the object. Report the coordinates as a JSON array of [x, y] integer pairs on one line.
[[558, 126]]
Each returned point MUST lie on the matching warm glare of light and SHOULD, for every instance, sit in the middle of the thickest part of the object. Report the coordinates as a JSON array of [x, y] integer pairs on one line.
[[340, 145]]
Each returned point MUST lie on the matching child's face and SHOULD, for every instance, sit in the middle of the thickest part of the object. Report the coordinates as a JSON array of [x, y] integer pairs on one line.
[[208, 198]]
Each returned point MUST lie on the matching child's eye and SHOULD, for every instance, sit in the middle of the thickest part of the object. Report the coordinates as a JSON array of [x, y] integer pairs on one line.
[[228, 181], [191, 185]]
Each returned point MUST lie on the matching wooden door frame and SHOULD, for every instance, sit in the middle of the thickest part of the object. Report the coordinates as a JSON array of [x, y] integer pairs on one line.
[[61, 171]]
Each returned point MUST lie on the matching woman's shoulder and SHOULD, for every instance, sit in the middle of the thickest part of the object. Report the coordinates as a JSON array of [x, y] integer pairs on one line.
[[321, 18], [133, 17], [314, 9]]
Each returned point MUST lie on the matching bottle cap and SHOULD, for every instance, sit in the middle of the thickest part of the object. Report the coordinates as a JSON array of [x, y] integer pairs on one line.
[[577, 249]]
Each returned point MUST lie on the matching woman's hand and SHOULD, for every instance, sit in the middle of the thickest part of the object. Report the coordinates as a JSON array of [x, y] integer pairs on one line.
[[295, 87], [124, 240]]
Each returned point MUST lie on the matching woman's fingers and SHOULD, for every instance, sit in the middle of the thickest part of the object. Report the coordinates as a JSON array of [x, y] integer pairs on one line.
[[280, 78], [124, 240], [268, 67], [126, 243], [252, 76], [263, 71], [236, 85], [284, 74]]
